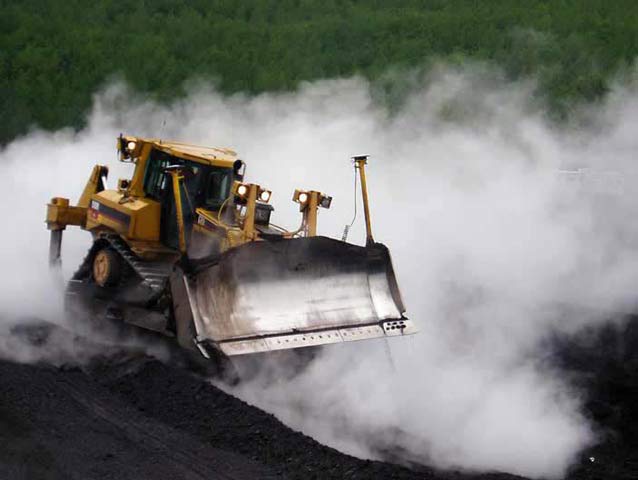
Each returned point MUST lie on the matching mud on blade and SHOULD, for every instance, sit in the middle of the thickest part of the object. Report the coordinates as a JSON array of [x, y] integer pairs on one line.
[[285, 294]]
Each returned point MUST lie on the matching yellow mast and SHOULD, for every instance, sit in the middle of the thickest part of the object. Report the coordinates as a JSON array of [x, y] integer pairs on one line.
[[360, 162]]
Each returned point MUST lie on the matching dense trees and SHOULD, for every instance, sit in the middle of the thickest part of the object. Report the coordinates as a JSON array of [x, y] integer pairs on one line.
[[55, 53]]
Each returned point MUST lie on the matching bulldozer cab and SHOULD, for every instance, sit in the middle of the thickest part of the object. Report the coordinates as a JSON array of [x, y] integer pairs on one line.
[[203, 186]]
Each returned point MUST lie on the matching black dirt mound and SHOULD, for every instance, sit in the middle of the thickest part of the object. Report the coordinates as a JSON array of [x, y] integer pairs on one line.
[[188, 403], [603, 363], [60, 424], [135, 417]]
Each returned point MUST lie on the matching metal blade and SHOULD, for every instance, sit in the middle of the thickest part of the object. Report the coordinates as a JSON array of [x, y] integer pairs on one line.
[[290, 293]]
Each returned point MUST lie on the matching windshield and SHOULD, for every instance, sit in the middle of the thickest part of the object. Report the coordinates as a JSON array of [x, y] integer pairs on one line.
[[155, 178], [206, 186], [217, 187]]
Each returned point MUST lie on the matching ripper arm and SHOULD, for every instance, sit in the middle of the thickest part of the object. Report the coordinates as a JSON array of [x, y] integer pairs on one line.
[[61, 213]]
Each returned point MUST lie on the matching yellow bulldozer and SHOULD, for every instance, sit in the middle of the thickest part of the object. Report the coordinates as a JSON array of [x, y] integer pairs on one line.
[[186, 247]]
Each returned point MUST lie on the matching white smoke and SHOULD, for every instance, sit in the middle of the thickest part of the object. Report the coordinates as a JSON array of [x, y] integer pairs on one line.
[[36, 168], [493, 251]]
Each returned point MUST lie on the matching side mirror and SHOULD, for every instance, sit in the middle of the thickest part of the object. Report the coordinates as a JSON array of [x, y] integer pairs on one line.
[[239, 169]]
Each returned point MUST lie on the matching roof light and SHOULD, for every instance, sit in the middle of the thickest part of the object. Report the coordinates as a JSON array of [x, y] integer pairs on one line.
[[264, 195]]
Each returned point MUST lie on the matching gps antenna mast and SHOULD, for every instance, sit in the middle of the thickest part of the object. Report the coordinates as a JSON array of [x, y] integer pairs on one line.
[[360, 161]]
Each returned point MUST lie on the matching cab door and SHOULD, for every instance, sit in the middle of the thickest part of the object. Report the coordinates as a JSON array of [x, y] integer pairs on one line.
[[158, 185]]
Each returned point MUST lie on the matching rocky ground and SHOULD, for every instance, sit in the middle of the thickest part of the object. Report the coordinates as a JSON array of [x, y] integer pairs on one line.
[[130, 416]]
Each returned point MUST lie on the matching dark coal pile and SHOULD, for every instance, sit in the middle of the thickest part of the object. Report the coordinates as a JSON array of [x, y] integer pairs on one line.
[[604, 364], [188, 404], [131, 416], [58, 423]]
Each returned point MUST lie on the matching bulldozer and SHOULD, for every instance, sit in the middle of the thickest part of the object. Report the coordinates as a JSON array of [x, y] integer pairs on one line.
[[186, 247]]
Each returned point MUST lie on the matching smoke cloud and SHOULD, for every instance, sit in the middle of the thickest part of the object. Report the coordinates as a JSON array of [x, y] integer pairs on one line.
[[494, 249]]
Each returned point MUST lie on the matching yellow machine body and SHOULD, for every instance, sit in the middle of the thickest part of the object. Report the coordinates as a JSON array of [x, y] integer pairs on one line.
[[195, 256]]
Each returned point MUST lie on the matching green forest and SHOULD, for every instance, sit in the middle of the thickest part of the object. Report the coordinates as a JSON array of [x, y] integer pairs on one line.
[[54, 54]]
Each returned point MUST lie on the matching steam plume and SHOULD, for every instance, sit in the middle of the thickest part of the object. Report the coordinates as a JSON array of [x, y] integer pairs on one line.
[[493, 250]]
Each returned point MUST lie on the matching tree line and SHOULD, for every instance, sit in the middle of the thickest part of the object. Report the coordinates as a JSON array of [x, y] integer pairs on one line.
[[54, 54]]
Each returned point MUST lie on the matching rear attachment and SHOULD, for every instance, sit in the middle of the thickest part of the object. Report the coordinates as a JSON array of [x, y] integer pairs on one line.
[[266, 296]]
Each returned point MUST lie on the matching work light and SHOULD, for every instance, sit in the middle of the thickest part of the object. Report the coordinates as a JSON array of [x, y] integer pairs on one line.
[[300, 197], [264, 195]]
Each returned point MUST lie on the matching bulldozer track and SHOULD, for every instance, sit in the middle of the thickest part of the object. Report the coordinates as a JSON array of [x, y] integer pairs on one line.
[[153, 274]]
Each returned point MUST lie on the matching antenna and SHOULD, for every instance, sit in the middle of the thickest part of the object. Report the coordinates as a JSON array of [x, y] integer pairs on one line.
[[161, 132]]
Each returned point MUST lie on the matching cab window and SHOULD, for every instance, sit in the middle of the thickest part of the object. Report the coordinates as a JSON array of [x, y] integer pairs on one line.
[[154, 177], [217, 187]]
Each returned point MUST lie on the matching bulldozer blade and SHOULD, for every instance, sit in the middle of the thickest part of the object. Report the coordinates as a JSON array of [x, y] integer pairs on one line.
[[293, 293]]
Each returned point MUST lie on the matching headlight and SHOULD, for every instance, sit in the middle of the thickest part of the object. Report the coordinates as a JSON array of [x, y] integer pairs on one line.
[[242, 190], [303, 197], [131, 146], [264, 196]]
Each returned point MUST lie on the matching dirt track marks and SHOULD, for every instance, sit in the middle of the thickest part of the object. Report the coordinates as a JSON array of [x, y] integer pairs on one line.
[[63, 425]]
